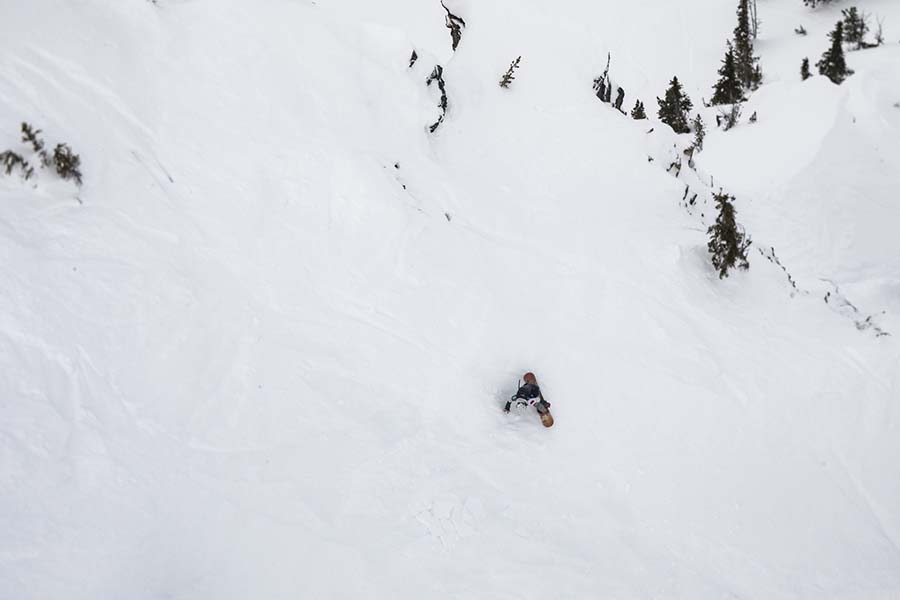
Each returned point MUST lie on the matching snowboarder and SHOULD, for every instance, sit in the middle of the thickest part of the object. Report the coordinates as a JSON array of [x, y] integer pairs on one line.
[[530, 394]]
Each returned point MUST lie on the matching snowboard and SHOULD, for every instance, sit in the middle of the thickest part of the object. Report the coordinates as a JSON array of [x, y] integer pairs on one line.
[[546, 418]]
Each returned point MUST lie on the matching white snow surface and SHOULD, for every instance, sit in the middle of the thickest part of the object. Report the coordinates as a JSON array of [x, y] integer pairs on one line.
[[262, 351]]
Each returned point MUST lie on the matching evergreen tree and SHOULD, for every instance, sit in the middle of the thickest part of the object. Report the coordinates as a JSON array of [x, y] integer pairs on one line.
[[748, 72], [804, 69], [855, 26], [674, 108], [832, 65], [728, 89], [638, 113], [699, 128], [727, 241]]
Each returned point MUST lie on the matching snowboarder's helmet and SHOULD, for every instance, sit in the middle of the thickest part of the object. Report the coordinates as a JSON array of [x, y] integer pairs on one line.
[[529, 377]]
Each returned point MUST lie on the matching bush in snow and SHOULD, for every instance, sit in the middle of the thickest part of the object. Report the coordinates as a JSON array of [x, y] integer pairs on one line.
[[727, 241], [68, 164], [832, 64], [800, 30], [804, 70], [10, 160], [814, 3], [728, 89], [620, 99], [30, 136], [455, 24], [602, 85], [437, 76], [673, 110], [508, 76], [638, 113], [728, 118]]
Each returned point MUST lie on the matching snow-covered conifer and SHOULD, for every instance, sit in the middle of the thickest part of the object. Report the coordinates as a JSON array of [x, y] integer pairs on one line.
[[832, 64], [727, 241], [673, 109], [638, 113], [746, 65], [728, 89]]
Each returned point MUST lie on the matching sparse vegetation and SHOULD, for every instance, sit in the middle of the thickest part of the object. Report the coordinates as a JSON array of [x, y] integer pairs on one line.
[[437, 76], [67, 163], [729, 117], [64, 161], [10, 161], [509, 76]]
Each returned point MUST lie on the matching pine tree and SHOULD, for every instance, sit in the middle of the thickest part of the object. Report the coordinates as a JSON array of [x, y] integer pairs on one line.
[[638, 113], [728, 89], [699, 128], [804, 69], [832, 65], [855, 26], [673, 110], [748, 72], [727, 241]]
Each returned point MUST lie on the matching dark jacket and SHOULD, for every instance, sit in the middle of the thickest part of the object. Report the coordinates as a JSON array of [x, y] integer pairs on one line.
[[531, 394], [529, 391]]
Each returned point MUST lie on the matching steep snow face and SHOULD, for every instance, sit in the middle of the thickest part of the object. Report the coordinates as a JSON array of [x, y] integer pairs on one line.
[[263, 350]]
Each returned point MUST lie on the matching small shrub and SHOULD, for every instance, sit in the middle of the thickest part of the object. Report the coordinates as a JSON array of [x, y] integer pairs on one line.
[[638, 113], [508, 77], [68, 164], [65, 162], [10, 160]]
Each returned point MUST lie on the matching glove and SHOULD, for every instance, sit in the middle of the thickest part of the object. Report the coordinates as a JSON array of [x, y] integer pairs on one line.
[[506, 408]]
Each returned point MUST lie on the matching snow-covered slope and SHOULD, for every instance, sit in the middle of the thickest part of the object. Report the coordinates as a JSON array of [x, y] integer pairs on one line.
[[262, 351]]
